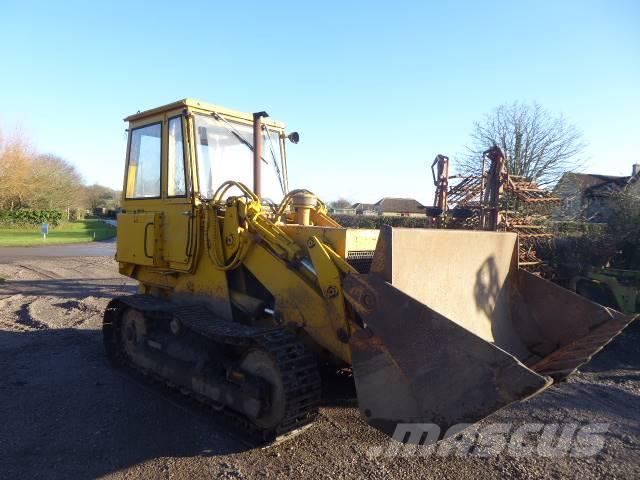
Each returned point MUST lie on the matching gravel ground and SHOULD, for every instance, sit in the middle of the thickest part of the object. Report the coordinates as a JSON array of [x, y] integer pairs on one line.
[[66, 414]]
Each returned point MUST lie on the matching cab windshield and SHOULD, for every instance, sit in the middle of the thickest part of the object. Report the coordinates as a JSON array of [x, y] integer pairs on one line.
[[225, 152]]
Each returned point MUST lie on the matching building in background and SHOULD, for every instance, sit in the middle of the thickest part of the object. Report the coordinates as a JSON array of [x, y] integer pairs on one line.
[[365, 209], [342, 211], [391, 207], [587, 195]]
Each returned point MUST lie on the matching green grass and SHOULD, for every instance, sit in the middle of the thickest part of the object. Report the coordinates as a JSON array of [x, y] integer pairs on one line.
[[74, 232]]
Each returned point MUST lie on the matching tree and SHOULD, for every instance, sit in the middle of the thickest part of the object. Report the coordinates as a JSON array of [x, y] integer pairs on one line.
[[29, 180], [56, 184], [36, 181], [15, 166], [539, 145], [340, 203], [99, 196]]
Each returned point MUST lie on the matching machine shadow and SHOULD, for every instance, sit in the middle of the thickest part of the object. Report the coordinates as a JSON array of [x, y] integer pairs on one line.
[[71, 287], [338, 388], [492, 297], [512, 317], [64, 406], [623, 353]]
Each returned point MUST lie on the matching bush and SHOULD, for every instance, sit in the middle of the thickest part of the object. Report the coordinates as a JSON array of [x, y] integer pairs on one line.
[[29, 218], [581, 244], [76, 214], [576, 228]]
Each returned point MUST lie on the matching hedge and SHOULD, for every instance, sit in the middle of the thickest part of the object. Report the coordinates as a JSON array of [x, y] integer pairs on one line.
[[27, 218], [376, 221], [576, 228]]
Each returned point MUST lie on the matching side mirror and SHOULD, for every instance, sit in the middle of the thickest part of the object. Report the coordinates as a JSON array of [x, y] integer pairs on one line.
[[294, 137]]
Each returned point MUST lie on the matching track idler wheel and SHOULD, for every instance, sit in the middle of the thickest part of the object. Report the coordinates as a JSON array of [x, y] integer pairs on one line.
[[258, 363]]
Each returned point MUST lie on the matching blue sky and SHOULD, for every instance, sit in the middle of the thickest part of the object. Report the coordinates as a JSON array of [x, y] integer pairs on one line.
[[376, 89]]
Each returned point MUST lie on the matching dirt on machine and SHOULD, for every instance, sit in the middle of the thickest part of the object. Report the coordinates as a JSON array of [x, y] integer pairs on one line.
[[246, 293]]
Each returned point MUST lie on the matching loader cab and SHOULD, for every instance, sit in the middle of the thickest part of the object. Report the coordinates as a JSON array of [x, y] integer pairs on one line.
[[177, 157]]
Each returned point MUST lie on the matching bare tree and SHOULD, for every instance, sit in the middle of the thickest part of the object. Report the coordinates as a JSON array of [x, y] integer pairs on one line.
[[540, 146], [340, 203]]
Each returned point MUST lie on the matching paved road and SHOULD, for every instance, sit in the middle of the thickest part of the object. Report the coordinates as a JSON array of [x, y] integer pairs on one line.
[[106, 248]]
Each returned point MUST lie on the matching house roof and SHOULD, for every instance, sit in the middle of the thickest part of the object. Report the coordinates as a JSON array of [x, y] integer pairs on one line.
[[608, 185], [399, 205], [363, 206]]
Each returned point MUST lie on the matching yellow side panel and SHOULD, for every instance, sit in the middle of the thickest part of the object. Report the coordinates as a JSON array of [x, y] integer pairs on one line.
[[298, 302], [137, 238], [179, 229], [341, 240]]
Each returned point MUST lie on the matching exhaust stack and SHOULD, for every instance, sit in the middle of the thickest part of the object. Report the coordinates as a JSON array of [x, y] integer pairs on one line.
[[257, 152]]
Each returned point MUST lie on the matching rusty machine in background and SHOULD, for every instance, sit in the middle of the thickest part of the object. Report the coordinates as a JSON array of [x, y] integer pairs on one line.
[[494, 200]]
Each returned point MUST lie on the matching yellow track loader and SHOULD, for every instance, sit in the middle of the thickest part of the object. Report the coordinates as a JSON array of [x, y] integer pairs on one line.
[[245, 292]]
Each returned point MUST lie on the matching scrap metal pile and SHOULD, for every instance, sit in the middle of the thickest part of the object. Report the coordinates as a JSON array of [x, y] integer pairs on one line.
[[495, 200]]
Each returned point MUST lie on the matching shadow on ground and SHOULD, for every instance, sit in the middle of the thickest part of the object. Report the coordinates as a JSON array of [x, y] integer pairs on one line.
[[72, 288], [66, 413]]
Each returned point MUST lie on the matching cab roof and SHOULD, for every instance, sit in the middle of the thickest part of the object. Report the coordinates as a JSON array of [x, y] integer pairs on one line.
[[209, 107]]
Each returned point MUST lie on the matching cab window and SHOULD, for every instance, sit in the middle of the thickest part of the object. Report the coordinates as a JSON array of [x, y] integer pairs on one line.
[[176, 184], [225, 152], [143, 172]]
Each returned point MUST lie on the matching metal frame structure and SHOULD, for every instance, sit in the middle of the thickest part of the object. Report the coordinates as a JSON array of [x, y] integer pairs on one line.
[[494, 201]]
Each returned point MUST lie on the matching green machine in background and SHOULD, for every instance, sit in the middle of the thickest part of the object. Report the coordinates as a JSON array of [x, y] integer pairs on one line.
[[611, 287]]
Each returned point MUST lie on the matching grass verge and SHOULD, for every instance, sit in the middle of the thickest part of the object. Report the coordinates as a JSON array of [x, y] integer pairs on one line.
[[75, 232]]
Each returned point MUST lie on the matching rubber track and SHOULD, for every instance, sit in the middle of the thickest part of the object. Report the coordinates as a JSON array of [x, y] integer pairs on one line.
[[300, 375]]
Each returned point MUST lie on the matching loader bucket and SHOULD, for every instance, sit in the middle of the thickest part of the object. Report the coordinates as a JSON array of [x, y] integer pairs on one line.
[[454, 331]]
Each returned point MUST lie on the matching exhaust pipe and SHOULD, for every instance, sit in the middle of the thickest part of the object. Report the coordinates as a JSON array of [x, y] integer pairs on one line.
[[257, 152]]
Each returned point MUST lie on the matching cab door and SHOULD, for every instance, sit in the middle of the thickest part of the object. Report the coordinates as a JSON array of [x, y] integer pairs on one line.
[[140, 222], [180, 222]]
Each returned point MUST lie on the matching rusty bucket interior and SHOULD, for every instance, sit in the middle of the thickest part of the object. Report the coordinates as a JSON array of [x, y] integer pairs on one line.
[[454, 330]]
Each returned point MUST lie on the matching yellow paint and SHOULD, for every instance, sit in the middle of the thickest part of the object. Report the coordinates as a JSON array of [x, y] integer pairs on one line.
[[198, 251]]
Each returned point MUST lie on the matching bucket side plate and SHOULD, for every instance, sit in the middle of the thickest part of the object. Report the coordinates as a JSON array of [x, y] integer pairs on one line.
[[413, 365]]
